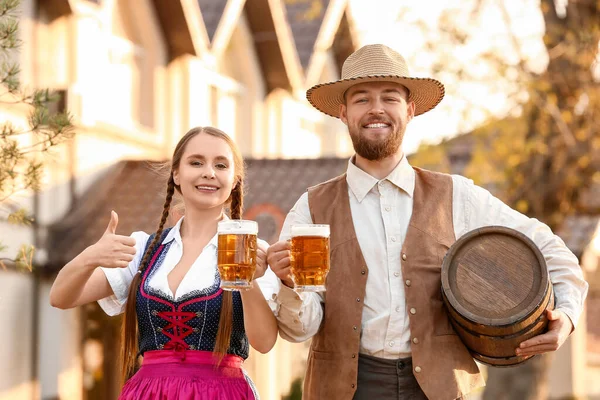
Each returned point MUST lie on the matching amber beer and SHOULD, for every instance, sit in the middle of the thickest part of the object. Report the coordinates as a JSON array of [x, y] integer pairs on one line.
[[237, 253], [309, 257]]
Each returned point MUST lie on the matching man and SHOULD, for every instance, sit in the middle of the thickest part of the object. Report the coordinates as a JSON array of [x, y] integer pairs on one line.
[[380, 331]]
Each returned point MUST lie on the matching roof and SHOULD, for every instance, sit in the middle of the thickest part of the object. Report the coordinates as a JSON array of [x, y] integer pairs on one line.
[[578, 230], [136, 192], [305, 18], [171, 16], [212, 11], [268, 47], [590, 199], [344, 42], [56, 8]]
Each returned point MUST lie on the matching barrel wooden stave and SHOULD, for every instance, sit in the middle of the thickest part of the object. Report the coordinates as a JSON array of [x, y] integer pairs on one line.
[[491, 335], [501, 346]]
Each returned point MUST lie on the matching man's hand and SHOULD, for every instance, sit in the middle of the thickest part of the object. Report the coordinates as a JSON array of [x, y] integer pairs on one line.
[[559, 329], [112, 250], [278, 257]]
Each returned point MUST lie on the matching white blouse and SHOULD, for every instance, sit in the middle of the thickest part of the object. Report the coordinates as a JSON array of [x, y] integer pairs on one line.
[[201, 274]]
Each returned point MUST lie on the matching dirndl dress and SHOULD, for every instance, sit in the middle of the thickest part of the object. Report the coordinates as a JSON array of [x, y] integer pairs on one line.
[[177, 340]]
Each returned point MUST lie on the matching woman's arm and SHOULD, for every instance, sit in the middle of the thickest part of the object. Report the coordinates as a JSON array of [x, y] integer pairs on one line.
[[81, 281], [259, 321]]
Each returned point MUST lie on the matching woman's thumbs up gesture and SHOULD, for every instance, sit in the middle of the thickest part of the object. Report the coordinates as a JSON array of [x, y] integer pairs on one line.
[[112, 250]]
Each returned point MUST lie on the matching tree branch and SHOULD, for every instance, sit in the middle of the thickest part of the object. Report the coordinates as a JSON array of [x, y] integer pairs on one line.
[[549, 11], [513, 39], [554, 112], [11, 193]]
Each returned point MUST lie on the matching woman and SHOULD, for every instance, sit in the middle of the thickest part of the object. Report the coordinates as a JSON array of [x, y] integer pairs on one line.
[[193, 335]]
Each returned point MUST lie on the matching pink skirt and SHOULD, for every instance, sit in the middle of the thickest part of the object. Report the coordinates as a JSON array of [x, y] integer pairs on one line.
[[189, 375]]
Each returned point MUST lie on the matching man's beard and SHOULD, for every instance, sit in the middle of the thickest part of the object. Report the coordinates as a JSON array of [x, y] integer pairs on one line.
[[376, 150]]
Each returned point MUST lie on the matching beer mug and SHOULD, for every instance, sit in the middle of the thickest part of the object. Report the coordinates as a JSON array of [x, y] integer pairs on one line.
[[237, 253], [309, 258]]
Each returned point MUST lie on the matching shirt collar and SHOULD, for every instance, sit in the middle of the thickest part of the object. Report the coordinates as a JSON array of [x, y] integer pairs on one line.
[[175, 233], [361, 183]]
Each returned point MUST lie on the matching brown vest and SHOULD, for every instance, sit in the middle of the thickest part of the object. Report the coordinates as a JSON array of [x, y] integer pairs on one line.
[[445, 368]]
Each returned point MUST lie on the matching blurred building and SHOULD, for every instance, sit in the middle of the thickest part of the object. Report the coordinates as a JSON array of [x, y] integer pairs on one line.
[[137, 75]]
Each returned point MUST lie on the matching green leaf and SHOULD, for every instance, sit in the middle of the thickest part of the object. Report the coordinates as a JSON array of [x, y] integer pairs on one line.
[[20, 217]]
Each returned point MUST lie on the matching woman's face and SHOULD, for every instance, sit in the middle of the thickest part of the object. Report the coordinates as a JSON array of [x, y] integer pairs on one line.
[[206, 173]]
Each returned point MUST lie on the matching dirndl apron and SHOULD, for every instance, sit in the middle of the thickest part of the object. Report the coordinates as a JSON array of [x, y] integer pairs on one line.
[[189, 375]]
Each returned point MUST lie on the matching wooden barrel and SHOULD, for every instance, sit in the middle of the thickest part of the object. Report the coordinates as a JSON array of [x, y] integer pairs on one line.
[[496, 287]]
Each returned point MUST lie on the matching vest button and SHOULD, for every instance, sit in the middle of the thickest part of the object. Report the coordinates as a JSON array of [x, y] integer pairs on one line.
[[357, 300], [353, 355], [413, 311], [404, 256], [417, 369], [415, 340], [363, 272], [408, 282], [353, 386], [355, 327]]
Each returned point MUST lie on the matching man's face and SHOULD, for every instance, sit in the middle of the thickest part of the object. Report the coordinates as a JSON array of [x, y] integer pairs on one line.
[[377, 114]]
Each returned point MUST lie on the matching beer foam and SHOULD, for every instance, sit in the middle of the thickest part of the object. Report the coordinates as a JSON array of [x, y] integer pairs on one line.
[[310, 230], [237, 227]]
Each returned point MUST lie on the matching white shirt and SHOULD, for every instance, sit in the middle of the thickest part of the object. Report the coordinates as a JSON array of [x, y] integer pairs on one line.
[[201, 274], [382, 209]]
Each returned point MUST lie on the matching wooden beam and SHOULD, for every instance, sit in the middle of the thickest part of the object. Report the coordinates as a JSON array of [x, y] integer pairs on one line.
[[226, 26]]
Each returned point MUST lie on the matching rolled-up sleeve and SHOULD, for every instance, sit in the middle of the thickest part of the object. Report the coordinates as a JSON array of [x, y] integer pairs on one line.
[[299, 315], [120, 279], [477, 208]]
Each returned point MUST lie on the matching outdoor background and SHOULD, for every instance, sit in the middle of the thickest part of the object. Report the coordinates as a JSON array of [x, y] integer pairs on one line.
[[127, 78]]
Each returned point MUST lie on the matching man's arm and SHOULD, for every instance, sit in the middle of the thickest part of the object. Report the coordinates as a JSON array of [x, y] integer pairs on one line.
[[298, 316], [479, 208]]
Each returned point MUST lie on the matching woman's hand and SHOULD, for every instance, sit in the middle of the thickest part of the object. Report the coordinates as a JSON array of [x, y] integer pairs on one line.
[[81, 281], [112, 250], [259, 321], [261, 258]]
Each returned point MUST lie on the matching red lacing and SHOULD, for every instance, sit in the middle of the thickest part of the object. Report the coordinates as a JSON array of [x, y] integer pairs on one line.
[[179, 330]]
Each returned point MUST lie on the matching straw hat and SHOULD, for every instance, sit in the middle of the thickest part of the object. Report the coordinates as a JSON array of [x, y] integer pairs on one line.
[[375, 63]]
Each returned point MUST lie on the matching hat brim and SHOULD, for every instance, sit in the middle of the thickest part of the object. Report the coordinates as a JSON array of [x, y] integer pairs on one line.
[[426, 93]]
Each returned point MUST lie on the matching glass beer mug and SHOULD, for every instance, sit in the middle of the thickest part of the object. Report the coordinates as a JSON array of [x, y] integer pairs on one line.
[[309, 258], [237, 253]]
